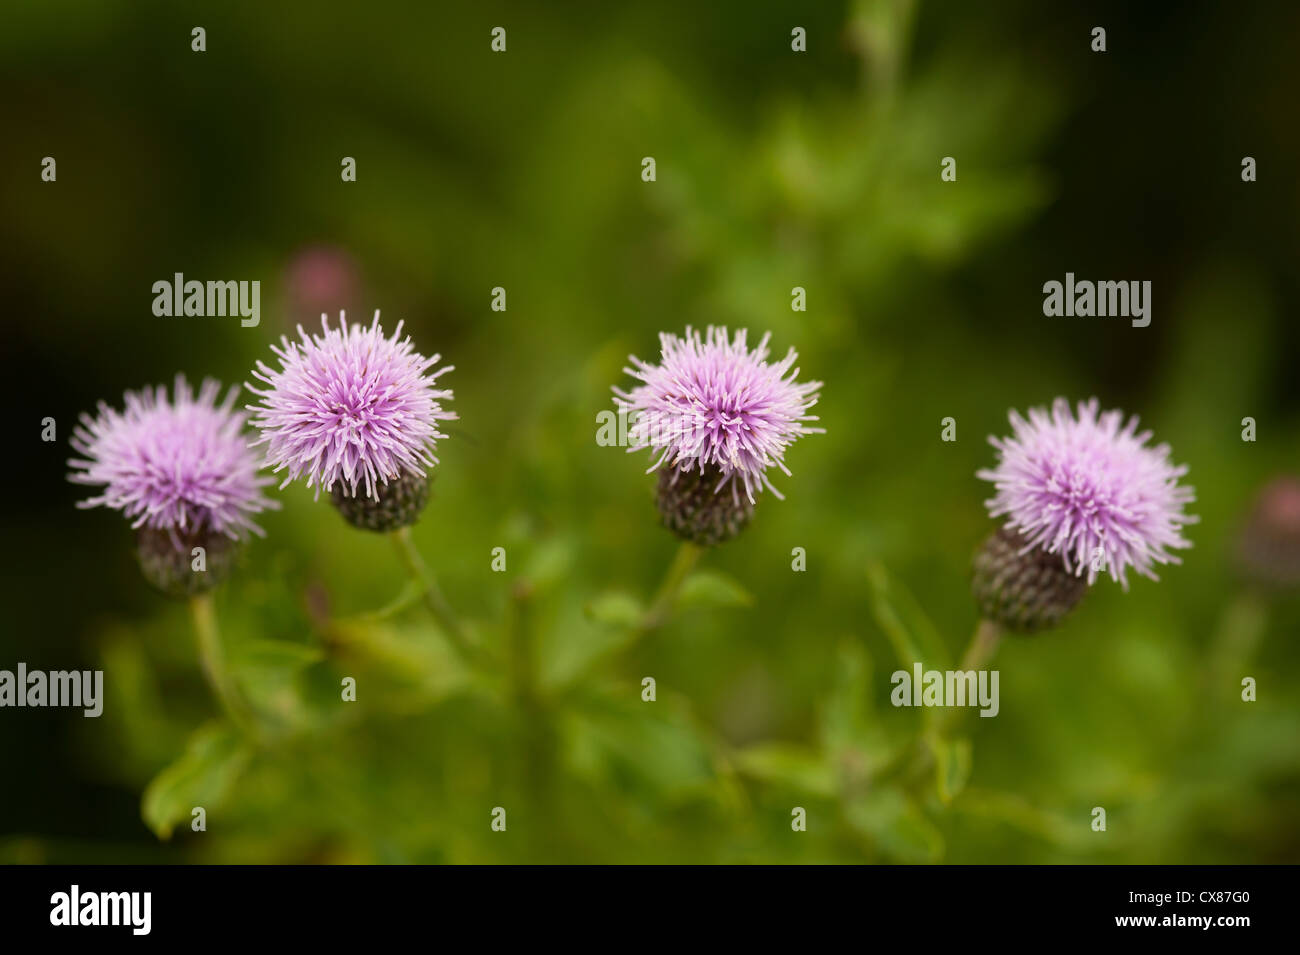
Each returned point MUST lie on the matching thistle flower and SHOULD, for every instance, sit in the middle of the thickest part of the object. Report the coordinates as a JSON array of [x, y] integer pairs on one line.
[[180, 470], [715, 407], [353, 408], [1088, 491], [1090, 488]]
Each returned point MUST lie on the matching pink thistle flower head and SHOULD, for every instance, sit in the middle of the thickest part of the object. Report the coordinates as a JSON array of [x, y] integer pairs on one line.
[[176, 465], [350, 405], [1090, 489], [715, 404]]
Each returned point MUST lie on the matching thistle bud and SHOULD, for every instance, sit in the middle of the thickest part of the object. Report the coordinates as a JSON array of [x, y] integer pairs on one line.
[[695, 509], [181, 563], [397, 504], [1022, 589]]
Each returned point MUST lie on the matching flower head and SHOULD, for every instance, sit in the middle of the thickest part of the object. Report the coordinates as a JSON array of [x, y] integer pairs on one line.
[[714, 403], [1090, 490], [351, 406], [179, 466]]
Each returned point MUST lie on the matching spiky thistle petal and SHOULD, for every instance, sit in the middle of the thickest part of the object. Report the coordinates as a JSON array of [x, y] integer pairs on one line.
[[713, 402], [1090, 489], [350, 405], [180, 464]]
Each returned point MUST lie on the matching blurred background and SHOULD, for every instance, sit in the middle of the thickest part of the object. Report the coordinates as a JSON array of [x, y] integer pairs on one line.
[[775, 169]]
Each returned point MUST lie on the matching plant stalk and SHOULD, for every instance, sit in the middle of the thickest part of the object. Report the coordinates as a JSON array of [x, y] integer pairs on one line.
[[434, 599], [661, 608], [212, 660]]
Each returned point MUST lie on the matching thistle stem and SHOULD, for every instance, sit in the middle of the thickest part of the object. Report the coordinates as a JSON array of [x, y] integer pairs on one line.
[[983, 645], [433, 597], [412, 593], [523, 662], [916, 759], [661, 608], [979, 653], [212, 660]]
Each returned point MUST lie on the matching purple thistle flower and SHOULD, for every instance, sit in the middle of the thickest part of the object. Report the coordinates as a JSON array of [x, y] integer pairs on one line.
[[715, 404], [177, 466], [350, 406], [1088, 486]]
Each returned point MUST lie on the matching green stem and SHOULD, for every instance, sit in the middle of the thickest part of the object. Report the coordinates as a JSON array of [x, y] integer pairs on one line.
[[914, 760], [434, 599], [661, 608], [412, 593], [213, 663], [979, 653], [983, 646], [538, 754], [523, 660]]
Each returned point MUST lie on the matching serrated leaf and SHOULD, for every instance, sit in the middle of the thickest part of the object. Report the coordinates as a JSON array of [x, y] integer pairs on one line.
[[213, 760], [710, 588]]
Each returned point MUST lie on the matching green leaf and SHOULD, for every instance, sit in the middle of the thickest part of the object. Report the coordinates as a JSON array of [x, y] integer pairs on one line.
[[910, 632], [896, 826], [656, 746], [412, 592], [952, 765], [786, 764], [844, 718], [268, 672], [709, 588], [136, 705], [418, 667], [213, 760], [576, 642], [615, 608], [549, 563], [276, 654], [1014, 810]]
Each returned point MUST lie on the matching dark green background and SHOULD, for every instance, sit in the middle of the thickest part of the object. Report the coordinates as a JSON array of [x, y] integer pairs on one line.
[[775, 169]]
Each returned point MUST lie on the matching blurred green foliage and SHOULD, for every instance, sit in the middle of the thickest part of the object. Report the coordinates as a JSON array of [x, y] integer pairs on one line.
[[775, 170]]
